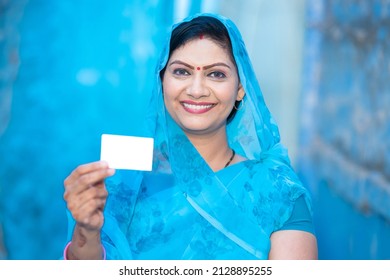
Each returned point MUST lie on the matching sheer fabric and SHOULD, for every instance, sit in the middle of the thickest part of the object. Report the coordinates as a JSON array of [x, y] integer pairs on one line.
[[184, 210]]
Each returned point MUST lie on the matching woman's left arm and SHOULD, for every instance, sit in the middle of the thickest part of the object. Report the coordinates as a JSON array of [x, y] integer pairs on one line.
[[293, 245]]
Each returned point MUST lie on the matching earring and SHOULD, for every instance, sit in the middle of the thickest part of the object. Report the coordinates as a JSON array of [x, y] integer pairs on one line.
[[241, 102]]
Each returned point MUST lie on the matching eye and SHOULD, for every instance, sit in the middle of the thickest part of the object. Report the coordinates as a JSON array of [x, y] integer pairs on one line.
[[180, 72], [217, 75]]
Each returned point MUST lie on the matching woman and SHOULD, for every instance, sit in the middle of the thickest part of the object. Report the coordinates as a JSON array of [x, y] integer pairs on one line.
[[221, 186]]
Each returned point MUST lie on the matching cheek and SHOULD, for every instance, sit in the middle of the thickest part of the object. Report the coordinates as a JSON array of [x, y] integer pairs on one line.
[[168, 88], [167, 101], [168, 104], [228, 95], [169, 96]]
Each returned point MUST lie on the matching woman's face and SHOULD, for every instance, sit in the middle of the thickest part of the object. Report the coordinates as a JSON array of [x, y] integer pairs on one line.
[[200, 86]]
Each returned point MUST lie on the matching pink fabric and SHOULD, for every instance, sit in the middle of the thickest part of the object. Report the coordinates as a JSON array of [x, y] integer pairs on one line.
[[67, 246]]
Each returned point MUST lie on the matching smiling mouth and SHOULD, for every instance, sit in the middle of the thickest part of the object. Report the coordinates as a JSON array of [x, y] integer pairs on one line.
[[197, 108]]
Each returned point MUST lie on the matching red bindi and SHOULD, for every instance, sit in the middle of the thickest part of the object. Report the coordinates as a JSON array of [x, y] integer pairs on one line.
[[198, 68]]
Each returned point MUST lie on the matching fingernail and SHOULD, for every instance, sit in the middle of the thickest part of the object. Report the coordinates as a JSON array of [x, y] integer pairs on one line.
[[111, 171]]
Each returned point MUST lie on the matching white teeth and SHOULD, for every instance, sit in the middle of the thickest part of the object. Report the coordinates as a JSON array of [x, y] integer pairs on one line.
[[197, 107]]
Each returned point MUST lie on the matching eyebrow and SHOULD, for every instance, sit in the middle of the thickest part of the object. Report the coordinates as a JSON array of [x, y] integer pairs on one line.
[[204, 67], [216, 64], [181, 62]]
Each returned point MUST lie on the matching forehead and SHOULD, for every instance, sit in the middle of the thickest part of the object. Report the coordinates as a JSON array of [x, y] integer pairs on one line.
[[199, 49]]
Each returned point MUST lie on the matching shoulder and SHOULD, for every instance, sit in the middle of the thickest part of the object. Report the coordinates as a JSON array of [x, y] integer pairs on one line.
[[277, 189], [279, 178]]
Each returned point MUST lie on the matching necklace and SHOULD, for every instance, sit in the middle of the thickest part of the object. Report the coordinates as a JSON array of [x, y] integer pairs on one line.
[[231, 158]]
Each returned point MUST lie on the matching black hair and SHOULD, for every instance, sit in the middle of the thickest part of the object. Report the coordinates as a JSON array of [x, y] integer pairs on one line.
[[202, 26]]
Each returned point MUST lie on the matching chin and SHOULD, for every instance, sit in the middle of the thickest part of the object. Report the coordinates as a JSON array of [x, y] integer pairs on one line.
[[194, 129]]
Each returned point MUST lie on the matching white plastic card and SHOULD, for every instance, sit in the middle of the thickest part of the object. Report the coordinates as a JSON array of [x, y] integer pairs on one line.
[[127, 152]]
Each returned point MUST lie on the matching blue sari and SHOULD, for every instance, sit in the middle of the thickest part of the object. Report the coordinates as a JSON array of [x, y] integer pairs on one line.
[[182, 209]]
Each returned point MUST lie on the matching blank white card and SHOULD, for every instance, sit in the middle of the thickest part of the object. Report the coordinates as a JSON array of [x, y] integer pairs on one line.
[[127, 152]]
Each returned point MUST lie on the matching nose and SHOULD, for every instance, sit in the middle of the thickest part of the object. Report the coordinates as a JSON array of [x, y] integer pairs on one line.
[[197, 87]]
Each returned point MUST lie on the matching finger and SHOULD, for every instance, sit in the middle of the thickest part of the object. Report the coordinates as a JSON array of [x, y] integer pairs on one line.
[[90, 194], [94, 178], [95, 222], [85, 214], [100, 185], [76, 200], [95, 219], [83, 169]]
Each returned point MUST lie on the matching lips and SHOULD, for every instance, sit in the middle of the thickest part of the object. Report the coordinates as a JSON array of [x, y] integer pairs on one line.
[[197, 107]]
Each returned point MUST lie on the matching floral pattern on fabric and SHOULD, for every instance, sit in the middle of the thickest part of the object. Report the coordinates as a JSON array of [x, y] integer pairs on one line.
[[184, 210]]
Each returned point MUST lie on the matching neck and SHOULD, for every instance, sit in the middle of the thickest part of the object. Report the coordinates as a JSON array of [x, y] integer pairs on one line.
[[213, 148]]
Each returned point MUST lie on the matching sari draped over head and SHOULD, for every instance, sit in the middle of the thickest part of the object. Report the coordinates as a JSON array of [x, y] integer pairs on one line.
[[182, 209]]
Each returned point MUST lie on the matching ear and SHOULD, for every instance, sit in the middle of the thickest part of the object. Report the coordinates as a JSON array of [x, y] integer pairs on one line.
[[240, 93]]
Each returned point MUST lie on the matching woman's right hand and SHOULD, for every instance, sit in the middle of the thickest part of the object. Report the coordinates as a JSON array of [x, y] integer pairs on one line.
[[86, 194]]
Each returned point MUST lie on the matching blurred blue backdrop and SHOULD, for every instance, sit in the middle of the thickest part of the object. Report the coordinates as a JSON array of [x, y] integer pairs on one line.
[[71, 70]]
